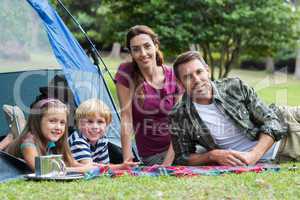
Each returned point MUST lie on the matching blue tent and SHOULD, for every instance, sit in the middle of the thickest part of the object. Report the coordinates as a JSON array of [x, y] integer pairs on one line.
[[84, 79]]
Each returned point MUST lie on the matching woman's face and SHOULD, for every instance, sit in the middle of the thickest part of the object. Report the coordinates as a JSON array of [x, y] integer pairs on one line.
[[53, 124], [143, 51]]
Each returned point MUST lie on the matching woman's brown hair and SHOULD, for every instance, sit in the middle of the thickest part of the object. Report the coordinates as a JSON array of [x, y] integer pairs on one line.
[[137, 75]]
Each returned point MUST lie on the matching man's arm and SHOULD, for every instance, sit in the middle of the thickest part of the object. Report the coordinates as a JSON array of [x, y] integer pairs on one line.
[[218, 156], [184, 148], [266, 119], [233, 158], [264, 143]]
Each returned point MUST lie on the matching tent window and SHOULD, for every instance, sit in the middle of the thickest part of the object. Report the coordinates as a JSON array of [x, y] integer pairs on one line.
[[24, 43]]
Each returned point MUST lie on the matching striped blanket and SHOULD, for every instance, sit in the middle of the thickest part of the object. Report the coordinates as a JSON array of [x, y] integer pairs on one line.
[[179, 171]]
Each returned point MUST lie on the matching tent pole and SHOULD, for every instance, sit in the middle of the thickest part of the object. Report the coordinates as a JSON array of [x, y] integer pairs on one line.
[[94, 49], [96, 52]]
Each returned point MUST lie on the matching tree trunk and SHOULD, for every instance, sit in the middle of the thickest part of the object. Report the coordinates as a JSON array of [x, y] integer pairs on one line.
[[297, 67], [270, 64], [221, 63], [193, 47], [115, 51]]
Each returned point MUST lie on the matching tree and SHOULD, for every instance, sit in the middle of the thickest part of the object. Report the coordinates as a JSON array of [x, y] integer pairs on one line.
[[91, 16], [297, 66], [158, 14], [223, 29]]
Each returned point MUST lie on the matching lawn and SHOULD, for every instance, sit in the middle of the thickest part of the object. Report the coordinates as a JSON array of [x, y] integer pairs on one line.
[[284, 184], [276, 88], [267, 185]]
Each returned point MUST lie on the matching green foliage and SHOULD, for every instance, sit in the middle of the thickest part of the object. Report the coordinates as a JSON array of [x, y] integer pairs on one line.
[[158, 14], [91, 16], [227, 27]]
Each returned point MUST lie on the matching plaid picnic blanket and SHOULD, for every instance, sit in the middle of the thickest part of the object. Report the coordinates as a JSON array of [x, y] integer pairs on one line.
[[179, 171]]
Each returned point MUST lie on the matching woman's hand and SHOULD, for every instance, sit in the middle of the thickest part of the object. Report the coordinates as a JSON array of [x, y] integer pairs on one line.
[[125, 99], [129, 164], [169, 158]]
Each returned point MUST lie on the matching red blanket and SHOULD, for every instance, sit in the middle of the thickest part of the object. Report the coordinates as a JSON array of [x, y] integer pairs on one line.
[[157, 170]]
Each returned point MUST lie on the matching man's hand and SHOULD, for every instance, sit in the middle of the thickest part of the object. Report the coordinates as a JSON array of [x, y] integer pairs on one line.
[[264, 143], [228, 157], [251, 157]]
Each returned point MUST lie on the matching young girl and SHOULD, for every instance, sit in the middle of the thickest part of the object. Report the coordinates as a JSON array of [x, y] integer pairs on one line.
[[46, 133]]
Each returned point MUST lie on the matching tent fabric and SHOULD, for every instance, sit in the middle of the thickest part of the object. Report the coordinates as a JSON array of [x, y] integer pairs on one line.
[[11, 167], [84, 78], [23, 41], [21, 88]]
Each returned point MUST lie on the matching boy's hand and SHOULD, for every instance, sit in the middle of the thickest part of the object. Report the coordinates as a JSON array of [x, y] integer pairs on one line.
[[98, 164]]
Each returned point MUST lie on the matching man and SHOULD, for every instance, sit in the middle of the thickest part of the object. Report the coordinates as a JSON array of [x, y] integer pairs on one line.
[[224, 122]]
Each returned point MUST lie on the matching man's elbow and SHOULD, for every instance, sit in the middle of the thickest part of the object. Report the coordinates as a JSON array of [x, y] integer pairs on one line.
[[181, 160]]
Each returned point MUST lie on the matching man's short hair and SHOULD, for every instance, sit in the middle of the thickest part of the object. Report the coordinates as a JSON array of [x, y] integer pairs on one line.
[[185, 58], [91, 107]]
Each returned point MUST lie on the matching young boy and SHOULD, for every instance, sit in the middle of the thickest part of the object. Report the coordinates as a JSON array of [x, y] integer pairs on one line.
[[89, 143]]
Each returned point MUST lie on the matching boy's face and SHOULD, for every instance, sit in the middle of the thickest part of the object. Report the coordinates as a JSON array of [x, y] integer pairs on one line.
[[93, 128]]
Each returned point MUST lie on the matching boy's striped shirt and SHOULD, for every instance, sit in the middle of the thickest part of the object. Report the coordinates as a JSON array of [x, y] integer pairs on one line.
[[81, 148]]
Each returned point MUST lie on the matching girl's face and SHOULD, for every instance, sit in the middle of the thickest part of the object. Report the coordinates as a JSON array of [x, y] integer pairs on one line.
[[143, 51], [53, 124]]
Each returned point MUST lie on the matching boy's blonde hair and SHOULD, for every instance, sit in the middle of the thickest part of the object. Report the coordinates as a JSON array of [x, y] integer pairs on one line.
[[91, 107]]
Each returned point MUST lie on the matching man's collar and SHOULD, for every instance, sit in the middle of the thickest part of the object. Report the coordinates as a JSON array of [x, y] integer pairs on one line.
[[216, 93]]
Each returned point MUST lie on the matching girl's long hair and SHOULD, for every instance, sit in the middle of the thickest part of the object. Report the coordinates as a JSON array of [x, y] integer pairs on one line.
[[33, 126]]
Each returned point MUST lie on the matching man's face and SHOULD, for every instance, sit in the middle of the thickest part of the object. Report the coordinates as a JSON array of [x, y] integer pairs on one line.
[[194, 77]]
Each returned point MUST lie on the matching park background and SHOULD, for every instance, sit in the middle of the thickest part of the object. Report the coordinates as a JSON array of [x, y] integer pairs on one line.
[[256, 40]]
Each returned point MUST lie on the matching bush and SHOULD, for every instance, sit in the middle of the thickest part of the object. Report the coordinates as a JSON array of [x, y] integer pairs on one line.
[[253, 65], [287, 64]]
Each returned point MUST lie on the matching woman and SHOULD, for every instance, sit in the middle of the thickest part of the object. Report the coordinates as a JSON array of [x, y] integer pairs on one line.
[[147, 91]]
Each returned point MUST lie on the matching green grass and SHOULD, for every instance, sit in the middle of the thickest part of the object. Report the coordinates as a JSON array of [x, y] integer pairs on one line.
[[267, 185], [276, 185], [278, 88]]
